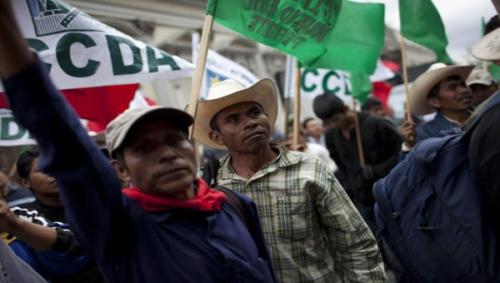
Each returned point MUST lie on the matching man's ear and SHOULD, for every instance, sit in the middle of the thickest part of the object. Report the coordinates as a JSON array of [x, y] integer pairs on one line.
[[121, 171], [434, 102], [216, 137]]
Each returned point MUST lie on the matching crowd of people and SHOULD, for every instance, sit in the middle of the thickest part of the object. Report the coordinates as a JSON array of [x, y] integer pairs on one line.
[[144, 211]]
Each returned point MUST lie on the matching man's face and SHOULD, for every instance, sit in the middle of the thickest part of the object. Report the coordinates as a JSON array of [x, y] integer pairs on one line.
[[159, 159], [42, 184], [338, 121], [243, 128], [377, 111], [314, 128], [454, 95], [481, 92]]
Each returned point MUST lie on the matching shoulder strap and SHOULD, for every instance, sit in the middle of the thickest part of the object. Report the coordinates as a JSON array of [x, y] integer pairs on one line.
[[235, 203], [209, 172]]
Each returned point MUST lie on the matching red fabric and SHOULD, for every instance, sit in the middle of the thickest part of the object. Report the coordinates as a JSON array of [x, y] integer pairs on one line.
[[96, 104], [382, 90], [206, 200], [393, 66]]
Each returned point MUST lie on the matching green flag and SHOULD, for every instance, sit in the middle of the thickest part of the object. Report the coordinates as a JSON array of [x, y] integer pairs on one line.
[[333, 34], [361, 86], [422, 24], [494, 71]]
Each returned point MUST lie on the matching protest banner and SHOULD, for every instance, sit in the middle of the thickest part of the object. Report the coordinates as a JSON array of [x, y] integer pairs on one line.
[[97, 67]]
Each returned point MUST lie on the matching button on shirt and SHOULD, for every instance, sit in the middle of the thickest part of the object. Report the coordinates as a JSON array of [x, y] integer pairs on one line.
[[314, 232]]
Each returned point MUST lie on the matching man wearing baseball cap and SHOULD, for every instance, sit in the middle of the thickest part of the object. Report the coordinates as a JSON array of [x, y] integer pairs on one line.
[[314, 232], [167, 226], [481, 84], [441, 90]]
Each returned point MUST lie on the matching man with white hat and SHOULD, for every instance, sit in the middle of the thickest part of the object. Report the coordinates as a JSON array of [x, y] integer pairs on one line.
[[441, 90], [168, 226], [481, 84], [314, 232]]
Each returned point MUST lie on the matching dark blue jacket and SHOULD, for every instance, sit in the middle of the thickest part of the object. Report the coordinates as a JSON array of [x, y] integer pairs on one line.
[[437, 127], [129, 244]]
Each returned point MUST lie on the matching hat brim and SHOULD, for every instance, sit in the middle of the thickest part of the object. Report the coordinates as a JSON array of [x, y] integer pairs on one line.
[[180, 119], [488, 47], [263, 92], [425, 82]]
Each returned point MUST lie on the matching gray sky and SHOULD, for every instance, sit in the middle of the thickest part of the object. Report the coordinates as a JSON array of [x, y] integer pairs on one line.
[[462, 19]]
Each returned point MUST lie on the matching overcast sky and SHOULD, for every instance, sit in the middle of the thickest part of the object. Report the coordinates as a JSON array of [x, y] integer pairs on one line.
[[462, 19]]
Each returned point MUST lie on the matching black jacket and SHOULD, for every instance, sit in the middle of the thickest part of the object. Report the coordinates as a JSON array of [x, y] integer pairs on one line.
[[381, 146]]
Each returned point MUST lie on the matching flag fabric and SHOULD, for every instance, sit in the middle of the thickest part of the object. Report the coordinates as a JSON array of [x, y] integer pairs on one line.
[[422, 24], [382, 90], [334, 34], [82, 52], [96, 67], [361, 86]]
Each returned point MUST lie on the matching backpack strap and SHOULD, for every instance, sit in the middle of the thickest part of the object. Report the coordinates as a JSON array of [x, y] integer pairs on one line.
[[233, 200], [209, 172]]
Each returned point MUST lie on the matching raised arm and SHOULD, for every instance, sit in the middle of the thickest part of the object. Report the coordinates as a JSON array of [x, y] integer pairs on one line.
[[89, 189]]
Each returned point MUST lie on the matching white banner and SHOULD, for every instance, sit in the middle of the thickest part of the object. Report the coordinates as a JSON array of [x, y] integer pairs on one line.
[[11, 133], [83, 52], [219, 68]]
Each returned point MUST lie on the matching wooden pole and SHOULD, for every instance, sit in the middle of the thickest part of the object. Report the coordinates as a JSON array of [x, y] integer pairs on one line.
[[405, 79], [200, 68], [296, 110], [359, 139]]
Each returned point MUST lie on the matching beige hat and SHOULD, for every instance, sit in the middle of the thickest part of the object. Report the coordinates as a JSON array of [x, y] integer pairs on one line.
[[229, 92], [479, 76], [117, 130], [488, 47], [425, 82]]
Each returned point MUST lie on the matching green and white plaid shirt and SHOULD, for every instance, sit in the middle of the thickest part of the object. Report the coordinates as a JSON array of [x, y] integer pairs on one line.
[[313, 231]]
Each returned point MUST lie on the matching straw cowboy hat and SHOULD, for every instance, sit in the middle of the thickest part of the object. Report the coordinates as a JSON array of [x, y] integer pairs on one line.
[[424, 83], [229, 92], [488, 47]]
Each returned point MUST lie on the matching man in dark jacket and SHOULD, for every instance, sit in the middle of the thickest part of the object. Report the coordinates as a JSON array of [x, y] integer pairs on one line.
[[168, 226], [380, 143]]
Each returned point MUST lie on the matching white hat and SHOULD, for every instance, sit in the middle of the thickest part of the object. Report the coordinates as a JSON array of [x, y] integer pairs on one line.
[[229, 92], [425, 82], [488, 47], [479, 76]]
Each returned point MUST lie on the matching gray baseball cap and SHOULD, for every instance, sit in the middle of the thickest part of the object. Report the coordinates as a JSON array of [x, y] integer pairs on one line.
[[118, 129]]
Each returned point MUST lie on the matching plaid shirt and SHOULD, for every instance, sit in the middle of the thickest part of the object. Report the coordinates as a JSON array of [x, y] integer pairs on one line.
[[314, 232]]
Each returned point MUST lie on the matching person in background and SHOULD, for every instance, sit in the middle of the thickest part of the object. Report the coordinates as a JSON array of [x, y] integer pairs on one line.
[[482, 85], [441, 90], [380, 141], [374, 107], [314, 131]]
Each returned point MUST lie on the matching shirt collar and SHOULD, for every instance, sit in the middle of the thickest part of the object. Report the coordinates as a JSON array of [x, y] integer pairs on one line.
[[285, 158]]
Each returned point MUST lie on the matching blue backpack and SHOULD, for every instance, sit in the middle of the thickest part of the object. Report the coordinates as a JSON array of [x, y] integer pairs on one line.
[[429, 216]]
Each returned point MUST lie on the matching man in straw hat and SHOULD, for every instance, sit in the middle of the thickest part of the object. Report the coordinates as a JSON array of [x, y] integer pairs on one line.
[[168, 226], [441, 89], [314, 232]]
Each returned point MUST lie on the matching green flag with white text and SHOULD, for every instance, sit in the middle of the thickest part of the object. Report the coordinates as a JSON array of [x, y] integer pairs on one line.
[[422, 24], [333, 34]]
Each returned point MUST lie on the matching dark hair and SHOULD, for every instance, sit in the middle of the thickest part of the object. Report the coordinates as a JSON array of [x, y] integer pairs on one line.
[[213, 123], [434, 92], [327, 105], [25, 161], [306, 120], [492, 24], [371, 102]]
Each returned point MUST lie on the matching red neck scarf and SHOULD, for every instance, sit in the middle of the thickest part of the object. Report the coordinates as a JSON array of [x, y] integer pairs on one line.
[[205, 200]]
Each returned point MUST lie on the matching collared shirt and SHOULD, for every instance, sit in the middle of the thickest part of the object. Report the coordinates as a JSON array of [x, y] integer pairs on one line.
[[314, 232], [440, 126]]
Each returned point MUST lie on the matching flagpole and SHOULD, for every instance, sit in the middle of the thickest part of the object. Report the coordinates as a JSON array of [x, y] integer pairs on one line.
[[359, 139], [405, 78], [296, 110], [200, 68]]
